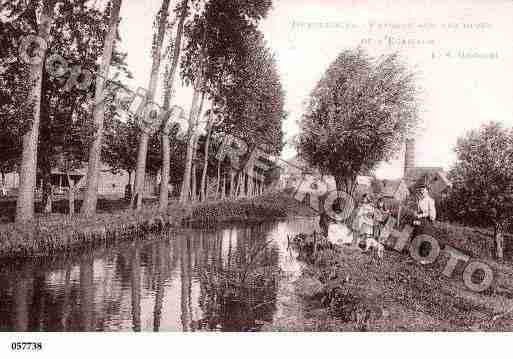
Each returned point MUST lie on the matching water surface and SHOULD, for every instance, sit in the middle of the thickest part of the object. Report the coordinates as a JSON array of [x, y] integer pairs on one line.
[[235, 278]]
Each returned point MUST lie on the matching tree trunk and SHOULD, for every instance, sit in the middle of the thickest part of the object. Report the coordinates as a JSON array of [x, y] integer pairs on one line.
[[347, 186], [142, 153], [3, 187], [232, 183], [25, 201], [246, 185], [164, 177], [170, 79], [499, 241], [71, 200], [218, 182], [251, 187], [223, 192], [47, 193], [128, 187], [235, 185], [150, 98], [71, 196], [168, 95], [205, 163], [240, 185], [194, 182], [193, 115], [91, 194], [193, 122], [186, 182]]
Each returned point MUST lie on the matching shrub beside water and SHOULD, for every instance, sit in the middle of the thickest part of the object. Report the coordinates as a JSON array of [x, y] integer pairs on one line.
[[277, 205]]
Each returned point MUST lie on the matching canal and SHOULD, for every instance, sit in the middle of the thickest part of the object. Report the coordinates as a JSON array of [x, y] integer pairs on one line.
[[233, 278]]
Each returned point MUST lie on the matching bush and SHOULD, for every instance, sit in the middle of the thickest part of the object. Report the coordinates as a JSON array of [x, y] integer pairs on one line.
[[267, 207]]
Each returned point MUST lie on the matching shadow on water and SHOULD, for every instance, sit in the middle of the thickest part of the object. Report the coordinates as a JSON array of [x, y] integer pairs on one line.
[[224, 279]]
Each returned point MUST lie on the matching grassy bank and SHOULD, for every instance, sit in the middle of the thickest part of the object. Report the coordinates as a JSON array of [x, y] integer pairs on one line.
[[57, 233], [267, 207], [106, 204], [473, 241], [345, 289]]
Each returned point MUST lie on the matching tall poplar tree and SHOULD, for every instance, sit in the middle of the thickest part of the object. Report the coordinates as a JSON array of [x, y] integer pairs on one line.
[[91, 194]]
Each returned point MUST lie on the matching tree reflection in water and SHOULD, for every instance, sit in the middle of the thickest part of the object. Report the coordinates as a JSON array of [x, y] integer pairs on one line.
[[136, 288], [21, 305], [87, 294], [162, 266], [238, 292], [222, 279]]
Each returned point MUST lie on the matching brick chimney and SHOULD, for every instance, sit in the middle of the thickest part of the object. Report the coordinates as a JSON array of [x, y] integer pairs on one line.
[[409, 157]]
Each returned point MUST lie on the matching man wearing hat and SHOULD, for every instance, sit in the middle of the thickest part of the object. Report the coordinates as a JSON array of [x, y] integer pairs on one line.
[[426, 211]]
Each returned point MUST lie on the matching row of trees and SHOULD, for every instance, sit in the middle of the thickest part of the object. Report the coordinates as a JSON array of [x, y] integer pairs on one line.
[[52, 124]]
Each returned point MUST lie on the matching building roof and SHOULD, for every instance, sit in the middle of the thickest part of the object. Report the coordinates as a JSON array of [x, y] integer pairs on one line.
[[417, 175], [295, 165], [442, 175], [390, 187], [396, 189], [417, 172]]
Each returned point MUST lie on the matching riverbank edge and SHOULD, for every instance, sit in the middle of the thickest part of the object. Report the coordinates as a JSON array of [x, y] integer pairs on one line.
[[342, 278], [62, 235]]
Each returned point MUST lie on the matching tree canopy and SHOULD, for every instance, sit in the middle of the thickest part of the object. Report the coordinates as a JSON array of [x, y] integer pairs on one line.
[[254, 102], [359, 115], [482, 177], [77, 36]]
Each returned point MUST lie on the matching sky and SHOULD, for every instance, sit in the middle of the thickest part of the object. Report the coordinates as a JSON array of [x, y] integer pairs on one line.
[[461, 51]]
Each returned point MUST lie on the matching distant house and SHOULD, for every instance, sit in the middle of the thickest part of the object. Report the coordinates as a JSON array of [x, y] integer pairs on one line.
[[296, 172], [293, 171], [109, 183], [114, 183], [435, 177], [394, 189], [363, 184]]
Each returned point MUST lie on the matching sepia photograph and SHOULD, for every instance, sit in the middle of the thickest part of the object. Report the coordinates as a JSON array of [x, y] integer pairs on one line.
[[270, 166]]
